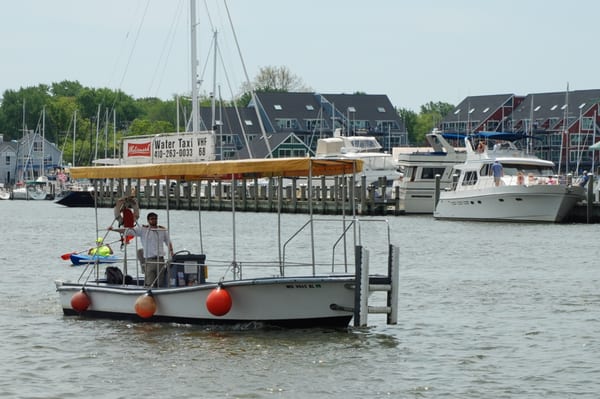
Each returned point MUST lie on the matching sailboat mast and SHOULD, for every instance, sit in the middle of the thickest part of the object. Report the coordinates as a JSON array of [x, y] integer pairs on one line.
[[43, 162], [74, 133], [530, 133], [194, 56], [114, 133], [214, 91], [594, 142], [566, 130]]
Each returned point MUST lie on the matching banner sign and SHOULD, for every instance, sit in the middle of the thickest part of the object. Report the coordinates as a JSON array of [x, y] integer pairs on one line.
[[169, 148]]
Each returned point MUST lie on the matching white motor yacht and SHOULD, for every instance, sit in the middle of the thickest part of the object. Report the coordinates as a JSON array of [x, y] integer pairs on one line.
[[419, 166], [527, 191]]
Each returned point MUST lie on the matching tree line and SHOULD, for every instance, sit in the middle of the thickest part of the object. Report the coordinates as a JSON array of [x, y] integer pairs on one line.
[[101, 117]]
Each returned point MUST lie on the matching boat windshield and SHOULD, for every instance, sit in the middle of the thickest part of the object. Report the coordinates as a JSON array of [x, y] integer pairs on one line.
[[535, 170]]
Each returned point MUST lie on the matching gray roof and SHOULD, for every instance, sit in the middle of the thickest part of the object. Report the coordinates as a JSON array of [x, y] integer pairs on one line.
[[479, 108], [302, 106], [230, 121], [544, 106], [259, 148]]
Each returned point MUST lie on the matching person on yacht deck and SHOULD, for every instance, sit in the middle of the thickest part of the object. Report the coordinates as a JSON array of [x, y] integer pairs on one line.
[[497, 172], [584, 178], [481, 147]]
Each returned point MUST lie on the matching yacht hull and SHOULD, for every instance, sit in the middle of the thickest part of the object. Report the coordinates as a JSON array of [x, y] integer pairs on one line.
[[540, 203]]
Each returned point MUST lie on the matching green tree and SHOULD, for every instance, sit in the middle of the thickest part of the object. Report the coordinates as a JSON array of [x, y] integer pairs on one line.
[[271, 78], [90, 100], [66, 88], [439, 107], [22, 109], [145, 126], [59, 118], [409, 117], [430, 116]]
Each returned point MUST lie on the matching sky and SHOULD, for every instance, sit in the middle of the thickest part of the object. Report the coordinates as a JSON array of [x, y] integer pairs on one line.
[[412, 51]]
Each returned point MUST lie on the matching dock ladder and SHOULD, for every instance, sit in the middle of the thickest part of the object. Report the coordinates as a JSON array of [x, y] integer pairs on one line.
[[366, 284]]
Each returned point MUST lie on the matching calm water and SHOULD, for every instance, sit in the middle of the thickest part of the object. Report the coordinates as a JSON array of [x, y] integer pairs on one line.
[[486, 311]]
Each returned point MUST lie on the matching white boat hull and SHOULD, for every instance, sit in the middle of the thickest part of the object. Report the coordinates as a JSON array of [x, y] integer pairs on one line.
[[28, 194], [416, 200], [420, 166], [538, 203], [286, 302]]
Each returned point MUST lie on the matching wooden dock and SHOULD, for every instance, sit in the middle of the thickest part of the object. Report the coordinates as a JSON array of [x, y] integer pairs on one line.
[[330, 197]]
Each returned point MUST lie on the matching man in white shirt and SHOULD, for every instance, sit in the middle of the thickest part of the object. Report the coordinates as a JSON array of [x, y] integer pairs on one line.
[[154, 240]]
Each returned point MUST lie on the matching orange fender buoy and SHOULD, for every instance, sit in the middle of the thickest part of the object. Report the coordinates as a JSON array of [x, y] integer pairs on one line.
[[218, 302], [80, 301], [145, 305]]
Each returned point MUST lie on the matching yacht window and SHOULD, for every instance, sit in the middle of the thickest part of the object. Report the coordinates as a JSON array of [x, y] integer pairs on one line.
[[429, 173], [535, 170], [470, 178], [485, 170]]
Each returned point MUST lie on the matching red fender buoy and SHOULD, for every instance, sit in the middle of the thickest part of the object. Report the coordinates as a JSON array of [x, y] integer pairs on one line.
[[218, 302], [145, 306], [80, 301]]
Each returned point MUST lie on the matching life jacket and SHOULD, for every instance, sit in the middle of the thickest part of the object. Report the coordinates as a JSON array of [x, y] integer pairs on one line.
[[100, 251]]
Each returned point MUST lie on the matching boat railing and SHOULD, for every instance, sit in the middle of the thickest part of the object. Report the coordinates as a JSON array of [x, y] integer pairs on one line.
[[341, 241], [341, 258]]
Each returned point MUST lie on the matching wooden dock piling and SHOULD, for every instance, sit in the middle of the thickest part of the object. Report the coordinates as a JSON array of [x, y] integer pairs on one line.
[[331, 197]]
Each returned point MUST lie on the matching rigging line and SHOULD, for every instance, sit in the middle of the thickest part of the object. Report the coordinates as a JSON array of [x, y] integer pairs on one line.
[[166, 48], [237, 45], [210, 22], [137, 35], [235, 105], [119, 56], [212, 45], [68, 135]]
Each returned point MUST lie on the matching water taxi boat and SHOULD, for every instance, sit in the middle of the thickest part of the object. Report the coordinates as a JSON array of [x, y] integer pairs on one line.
[[288, 290]]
